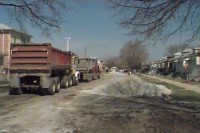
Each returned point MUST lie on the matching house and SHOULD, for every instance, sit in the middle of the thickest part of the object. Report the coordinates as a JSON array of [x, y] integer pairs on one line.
[[155, 67], [167, 64], [8, 36], [164, 66], [193, 65], [181, 62], [175, 63], [184, 64], [161, 65]]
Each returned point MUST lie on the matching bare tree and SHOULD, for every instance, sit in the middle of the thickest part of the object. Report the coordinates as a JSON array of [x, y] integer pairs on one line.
[[111, 61], [172, 49], [44, 14], [133, 54], [159, 19]]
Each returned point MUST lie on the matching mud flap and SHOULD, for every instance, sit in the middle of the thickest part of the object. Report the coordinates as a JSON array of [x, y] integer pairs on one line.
[[45, 81], [14, 81]]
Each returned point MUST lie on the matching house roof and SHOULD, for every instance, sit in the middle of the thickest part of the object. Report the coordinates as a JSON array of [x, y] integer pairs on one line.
[[184, 56], [178, 54], [187, 50], [4, 27], [197, 48]]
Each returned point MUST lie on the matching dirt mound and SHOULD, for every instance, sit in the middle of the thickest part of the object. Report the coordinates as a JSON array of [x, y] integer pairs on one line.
[[130, 86]]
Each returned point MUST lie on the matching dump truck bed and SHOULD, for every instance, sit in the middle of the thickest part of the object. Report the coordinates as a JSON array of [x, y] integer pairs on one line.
[[38, 57]]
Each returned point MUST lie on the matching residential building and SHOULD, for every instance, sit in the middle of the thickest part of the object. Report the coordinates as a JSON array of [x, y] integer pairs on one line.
[[183, 60], [175, 63], [184, 64], [193, 65], [7, 37], [168, 64]]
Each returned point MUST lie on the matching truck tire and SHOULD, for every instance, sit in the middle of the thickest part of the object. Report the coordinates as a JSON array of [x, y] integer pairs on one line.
[[51, 89], [42, 91], [25, 91], [76, 82], [11, 91], [99, 77], [18, 91], [65, 82], [89, 79], [94, 78], [70, 82], [57, 85]]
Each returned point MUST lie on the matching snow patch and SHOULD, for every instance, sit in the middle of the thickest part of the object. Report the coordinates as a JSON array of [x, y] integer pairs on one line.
[[130, 86]]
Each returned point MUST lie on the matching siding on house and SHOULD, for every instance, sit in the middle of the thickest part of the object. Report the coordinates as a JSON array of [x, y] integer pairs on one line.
[[179, 60], [194, 65], [8, 36]]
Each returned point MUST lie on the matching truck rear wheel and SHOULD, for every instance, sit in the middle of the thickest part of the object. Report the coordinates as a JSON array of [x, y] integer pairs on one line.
[[18, 91], [57, 85], [65, 82], [70, 82], [52, 88], [15, 91], [89, 79], [11, 91], [42, 91], [76, 82], [25, 91]]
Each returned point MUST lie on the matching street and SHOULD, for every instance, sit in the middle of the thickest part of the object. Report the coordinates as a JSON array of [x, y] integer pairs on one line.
[[83, 109]]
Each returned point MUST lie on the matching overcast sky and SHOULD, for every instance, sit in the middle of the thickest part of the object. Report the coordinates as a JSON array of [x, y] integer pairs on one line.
[[91, 25]]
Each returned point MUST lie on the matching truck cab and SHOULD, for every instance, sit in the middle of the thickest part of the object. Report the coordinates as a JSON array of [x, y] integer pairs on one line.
[[88, 68]]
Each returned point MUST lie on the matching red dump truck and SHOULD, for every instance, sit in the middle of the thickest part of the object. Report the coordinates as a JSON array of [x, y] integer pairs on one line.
[[88, 68], [39, 67]]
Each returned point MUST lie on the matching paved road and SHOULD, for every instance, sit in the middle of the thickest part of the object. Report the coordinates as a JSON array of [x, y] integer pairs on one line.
[[31, 113]]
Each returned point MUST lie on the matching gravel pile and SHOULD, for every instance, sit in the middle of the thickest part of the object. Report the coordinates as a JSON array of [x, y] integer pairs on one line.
[[130, 86]]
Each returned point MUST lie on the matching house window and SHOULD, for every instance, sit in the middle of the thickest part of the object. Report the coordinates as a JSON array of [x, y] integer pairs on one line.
[[197, 60], [168, 64], [184, 63], [163, 65]]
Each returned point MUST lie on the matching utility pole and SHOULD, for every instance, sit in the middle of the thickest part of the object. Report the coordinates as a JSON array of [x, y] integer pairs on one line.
[[67, 38]]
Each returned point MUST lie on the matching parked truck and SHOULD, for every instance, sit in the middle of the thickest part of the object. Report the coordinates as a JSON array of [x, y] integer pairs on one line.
[[40, 67], [75, 72], [88, 68]]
